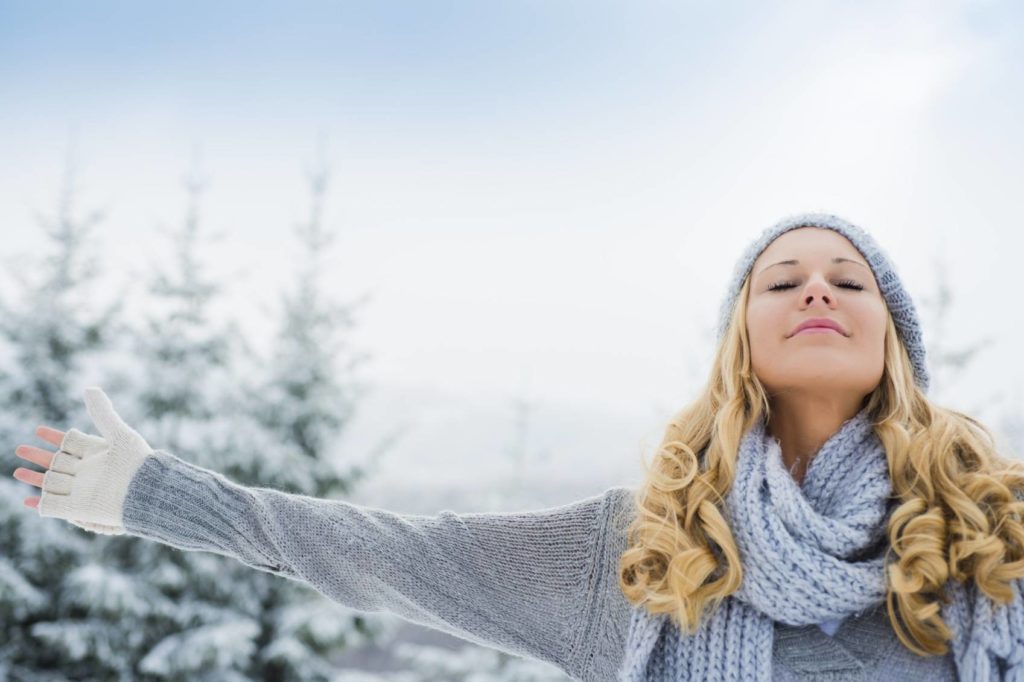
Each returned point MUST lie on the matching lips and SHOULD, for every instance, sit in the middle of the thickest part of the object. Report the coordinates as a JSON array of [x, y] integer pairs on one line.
[[820, 323]]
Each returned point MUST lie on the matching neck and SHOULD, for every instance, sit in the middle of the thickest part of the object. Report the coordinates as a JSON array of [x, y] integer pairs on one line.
[[802, 425]]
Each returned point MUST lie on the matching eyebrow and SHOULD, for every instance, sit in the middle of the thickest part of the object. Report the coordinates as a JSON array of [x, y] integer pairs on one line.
[[837, 259]]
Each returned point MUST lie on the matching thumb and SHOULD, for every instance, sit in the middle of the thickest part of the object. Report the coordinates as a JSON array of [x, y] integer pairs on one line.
[[102, 413]]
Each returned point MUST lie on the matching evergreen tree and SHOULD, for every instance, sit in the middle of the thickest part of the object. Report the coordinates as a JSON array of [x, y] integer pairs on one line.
[[216, 618], [301, 404], [293, 417], [49, 332], [78, 605], [181, 394], [945, 362], [999, 411]]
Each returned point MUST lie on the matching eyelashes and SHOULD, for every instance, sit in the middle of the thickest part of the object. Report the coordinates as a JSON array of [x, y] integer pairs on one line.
[[845, 283]]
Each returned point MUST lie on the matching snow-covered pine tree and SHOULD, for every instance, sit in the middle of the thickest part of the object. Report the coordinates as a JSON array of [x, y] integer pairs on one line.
[[307, 392], [126, 608], [50, 629], [185, 359], [948, 364], [945, 363], [296, 411], [998, 408], [203, 623]]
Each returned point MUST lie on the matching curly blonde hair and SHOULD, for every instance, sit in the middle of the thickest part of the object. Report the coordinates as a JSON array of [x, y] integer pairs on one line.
[[959, 511]]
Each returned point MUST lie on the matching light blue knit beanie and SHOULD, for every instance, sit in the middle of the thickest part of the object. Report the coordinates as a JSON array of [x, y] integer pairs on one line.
[[896, 297]]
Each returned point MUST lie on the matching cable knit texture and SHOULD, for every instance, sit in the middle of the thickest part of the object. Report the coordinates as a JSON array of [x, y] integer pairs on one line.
[[812, 553]]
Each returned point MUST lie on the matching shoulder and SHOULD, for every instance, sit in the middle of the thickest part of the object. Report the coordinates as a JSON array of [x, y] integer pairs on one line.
[[610, 612], [621, 505]]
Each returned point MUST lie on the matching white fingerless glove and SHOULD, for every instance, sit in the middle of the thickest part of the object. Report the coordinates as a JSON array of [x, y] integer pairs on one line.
[[89, 476]]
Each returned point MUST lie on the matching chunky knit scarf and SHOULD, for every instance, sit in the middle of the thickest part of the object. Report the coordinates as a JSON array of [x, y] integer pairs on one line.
[[811, 553]]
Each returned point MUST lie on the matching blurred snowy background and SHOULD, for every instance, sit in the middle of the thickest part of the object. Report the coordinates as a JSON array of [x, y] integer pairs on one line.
[[453, 255]]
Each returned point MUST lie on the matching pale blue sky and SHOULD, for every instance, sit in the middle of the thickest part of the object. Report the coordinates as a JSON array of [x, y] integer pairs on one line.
[[546, 198]]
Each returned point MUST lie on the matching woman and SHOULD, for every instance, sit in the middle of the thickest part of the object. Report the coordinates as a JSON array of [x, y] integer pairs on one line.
[[810, 515]]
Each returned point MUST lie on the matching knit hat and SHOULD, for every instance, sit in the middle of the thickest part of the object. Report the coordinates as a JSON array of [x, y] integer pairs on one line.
[[898, 300]]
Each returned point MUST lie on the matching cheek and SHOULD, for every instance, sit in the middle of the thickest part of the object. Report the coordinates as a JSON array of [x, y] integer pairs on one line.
[[869, 339], [764, 331], [872, 320], [764, 320]]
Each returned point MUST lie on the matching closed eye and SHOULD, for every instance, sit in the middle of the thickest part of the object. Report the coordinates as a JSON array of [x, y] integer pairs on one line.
[[846, 284]]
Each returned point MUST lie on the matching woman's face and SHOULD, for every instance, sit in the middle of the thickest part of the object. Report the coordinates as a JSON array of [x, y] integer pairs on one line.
[[812, 285]]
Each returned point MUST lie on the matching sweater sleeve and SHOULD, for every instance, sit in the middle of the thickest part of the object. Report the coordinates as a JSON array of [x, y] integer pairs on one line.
[[520, 582]]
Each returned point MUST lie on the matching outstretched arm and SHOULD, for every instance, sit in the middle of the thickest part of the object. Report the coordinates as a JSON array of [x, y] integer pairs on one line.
[[521, 582], [517, 581]]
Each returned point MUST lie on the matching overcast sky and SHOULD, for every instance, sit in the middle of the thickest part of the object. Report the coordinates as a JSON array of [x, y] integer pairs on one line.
[[545, 199]]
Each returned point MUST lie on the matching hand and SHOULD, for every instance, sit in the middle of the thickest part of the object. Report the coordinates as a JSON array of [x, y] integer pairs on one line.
[[88, 476], [44, 458]]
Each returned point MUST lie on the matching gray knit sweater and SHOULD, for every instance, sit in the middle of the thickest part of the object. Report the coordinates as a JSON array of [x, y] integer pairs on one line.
[[541, 584]]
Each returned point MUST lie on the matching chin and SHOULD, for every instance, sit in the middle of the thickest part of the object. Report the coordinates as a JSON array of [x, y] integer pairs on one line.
[[817, 382]]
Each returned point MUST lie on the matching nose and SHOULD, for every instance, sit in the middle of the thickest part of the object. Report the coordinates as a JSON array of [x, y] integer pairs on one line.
[[819, 287]]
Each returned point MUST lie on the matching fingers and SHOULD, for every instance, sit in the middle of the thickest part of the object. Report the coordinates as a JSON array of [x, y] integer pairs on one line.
[[28, 476], [102, 413], [81, 444], [43, 458], [50, 435], [39, 456]]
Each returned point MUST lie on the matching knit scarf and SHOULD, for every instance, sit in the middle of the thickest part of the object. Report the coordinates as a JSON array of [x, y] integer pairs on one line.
[[812, 552]]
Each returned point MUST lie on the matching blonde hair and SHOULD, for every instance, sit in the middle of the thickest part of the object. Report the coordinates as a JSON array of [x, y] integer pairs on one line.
[[958, 514]]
